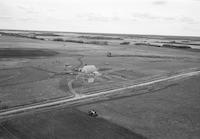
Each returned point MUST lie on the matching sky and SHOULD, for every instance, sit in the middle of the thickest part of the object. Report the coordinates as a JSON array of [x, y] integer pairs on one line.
[[158, 17]]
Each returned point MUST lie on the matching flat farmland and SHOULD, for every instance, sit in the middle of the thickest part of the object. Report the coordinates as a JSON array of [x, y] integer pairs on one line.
[[170, 112], [34, 70], [70, 123], [43, 69], [167, 112]]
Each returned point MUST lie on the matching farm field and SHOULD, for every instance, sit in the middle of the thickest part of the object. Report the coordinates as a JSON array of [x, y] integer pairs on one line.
[[70, 123], [34, 70], [170, 112], [40, 68]]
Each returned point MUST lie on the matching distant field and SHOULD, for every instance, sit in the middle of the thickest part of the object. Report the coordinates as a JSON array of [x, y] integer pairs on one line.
[[20, 53], [175, 42]]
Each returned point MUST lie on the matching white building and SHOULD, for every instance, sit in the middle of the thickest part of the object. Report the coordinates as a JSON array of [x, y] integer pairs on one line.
[[89, 69]]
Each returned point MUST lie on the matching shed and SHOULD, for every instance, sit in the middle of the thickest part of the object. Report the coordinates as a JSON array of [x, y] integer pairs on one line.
[[96, 73], [90, 80]]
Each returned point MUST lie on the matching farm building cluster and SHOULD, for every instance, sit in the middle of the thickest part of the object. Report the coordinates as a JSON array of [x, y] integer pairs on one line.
[[88, 73]]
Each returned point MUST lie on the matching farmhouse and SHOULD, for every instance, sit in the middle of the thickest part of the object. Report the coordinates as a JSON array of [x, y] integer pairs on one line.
[[89, 69]]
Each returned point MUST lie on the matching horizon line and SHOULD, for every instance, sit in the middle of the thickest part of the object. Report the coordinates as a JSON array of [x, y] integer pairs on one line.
[[101, 33]]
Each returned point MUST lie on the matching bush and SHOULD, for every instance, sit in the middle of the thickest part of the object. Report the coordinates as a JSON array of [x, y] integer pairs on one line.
[[97, 42], [176, 46], [100, 37], [140, 43], [155, 45], [74, 41], [58, 39], [124, 43]]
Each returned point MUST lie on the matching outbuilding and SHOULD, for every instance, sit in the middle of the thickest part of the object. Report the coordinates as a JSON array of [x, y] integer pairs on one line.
[[90, 80]]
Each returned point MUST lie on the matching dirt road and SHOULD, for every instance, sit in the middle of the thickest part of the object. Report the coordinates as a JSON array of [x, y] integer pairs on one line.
[[80, 99]]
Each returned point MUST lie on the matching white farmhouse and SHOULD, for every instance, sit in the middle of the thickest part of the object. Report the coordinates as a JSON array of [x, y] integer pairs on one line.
[[89, 69]]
